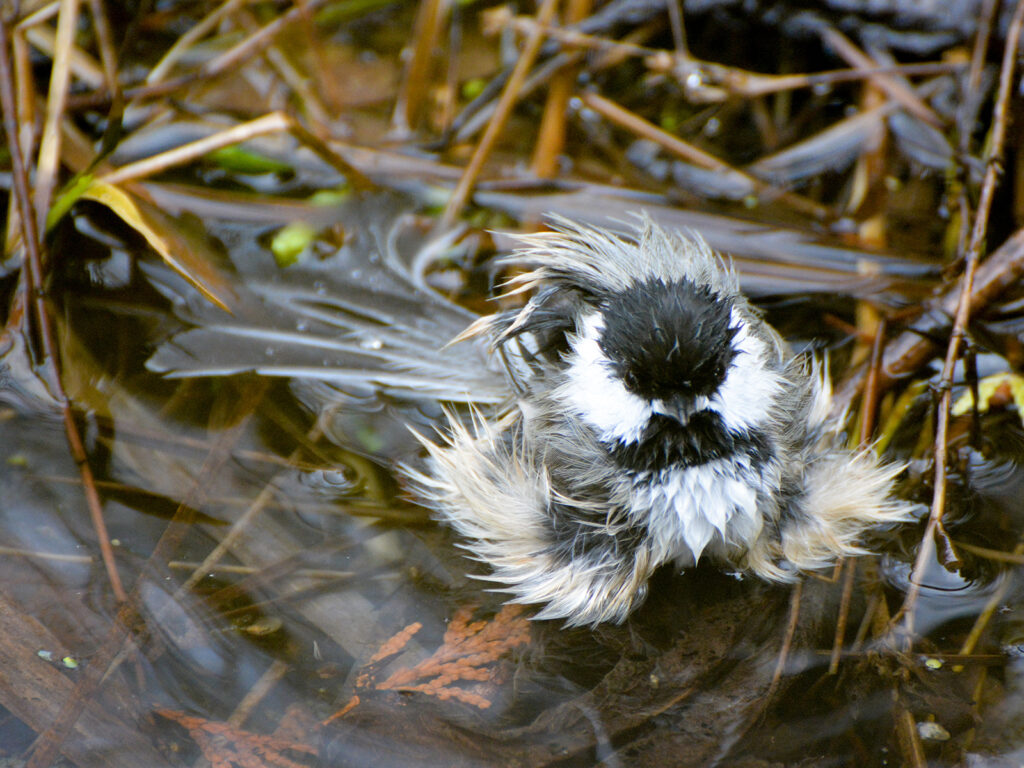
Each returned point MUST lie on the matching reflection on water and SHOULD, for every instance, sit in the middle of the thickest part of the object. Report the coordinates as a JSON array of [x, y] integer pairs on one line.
[[945, 595]]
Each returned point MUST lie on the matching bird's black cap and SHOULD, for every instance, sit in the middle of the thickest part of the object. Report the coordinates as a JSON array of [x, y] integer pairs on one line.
[[668, 340]]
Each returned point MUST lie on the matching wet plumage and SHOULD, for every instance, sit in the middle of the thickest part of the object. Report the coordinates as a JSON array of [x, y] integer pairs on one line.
[[656, 419]]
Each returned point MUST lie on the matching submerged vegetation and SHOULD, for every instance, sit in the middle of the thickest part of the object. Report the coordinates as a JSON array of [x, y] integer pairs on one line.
[[210, 567]]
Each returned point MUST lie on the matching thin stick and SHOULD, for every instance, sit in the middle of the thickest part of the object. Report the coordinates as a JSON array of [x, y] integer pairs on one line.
[[271, 677], [501, 113], [787, 641], [207, 24], [992, 172], [735, 81], [236, 570], [260, 39], [893, 87], [913, 348], [981, 44], [301, 83], [688, 152], [108, 56], [227, 61], [54, 556], [240, 526], [275, 122], [991, 606], [908, 738], [33, 281], [128, 614], [81, 65], [869, 403], [41, 16], [849, 579], [1016, 556]]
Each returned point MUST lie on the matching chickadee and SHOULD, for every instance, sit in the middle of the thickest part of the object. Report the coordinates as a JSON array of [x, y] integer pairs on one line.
[[636, 411]]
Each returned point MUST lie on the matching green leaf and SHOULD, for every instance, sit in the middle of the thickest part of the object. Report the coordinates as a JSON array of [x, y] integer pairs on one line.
[[290, 241], [70, 195], [240, 160]]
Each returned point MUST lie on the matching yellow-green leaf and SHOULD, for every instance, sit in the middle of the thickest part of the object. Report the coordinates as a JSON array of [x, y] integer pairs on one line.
[[241, 160], [161, 239], [67, 198], [290, 241], [987, 389]]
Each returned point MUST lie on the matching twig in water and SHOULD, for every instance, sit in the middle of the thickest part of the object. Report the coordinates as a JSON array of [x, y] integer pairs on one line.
[[992, 172], [508, 97]]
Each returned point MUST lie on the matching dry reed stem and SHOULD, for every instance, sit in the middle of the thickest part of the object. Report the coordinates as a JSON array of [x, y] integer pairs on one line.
[[688, 152], [502, 111], [896, 90], [430, 16], [48, 161], [569, 38], [180, 47], [551, 135], [302, 84], [128, 615], [105, 42], [81, 65], [732, 81], [908, 738], [991, 606]]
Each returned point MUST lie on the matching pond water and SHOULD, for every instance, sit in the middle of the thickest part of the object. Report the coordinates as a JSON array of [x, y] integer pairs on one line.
[[297, 605]]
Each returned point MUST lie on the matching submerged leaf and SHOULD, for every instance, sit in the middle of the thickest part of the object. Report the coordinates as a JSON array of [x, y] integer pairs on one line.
[[290, 241], [997, 389]]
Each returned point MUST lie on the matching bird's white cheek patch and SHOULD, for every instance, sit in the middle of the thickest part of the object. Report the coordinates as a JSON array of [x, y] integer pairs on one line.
[[593, 391], [747, 396]]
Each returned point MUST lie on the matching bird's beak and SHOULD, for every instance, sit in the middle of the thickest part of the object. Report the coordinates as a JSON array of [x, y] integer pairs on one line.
[[678, 408]]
